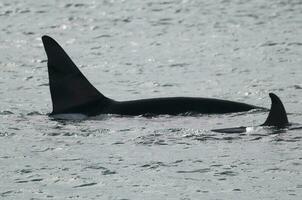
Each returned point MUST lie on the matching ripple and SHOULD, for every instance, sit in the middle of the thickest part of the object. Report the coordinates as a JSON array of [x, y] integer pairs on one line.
[[78, 133], [96, 167], [157, 164], [53, 134], [151, 139], [24, 171], [34, 113], [43, 84], [103, 36], [270, 43], [181, 65], [256, 138], [295, 44], [6, 13], [21, 181], [85, 185], [4, 157], [36, 180], [226, 173], [153, 165], [162, 22], [28, 33], [43, 150], [72, 159], [298, 87], [118, 143], [294, 139], [6, 134], [204, 170], [205, 138], [108, 172], [273, 169], [6, 112], [105, 171], [5, 194]]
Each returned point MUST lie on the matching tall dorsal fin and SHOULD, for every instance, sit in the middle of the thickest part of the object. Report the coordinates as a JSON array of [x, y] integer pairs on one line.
[[70, 90], [277, 115]]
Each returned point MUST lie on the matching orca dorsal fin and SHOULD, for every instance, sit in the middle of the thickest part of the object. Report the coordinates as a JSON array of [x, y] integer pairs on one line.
[[277, 115], [70, 91]]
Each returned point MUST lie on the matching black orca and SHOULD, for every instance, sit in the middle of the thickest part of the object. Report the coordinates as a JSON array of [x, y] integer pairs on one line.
[[71, 93], [277, 118]]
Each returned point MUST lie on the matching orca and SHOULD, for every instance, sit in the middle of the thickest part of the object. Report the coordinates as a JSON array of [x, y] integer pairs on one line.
[[72, 93], [277, 118]]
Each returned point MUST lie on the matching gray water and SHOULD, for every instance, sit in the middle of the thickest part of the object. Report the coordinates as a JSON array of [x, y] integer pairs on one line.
[[237, 50]]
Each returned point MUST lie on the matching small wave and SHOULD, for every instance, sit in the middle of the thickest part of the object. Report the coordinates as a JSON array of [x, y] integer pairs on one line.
[[78, 133], [286, 139], [204, 170], [105, 171], [152, 139], [226, 173], [73, 116], [6, 112], [295, 44], [96, 167], [24, 171], [43, 150], [34, 113], [85, 185], [153, 165], [6, 194], [72, 159], [181, 65], [157, 164], [36, 180], [108, 172], [31, 180], [270, 43], [6, 134]]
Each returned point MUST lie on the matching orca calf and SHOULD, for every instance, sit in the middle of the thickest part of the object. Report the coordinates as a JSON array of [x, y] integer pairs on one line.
[[277, 118], [72, 93]]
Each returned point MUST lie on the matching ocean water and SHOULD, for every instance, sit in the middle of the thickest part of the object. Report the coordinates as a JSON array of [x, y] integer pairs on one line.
[[238, 50]]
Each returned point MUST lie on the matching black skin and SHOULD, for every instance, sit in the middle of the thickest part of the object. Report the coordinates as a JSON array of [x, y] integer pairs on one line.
[[176, 106], [71, 92], [277, 118]]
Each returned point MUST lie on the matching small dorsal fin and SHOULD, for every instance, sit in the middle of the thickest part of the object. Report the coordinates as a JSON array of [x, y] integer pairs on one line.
[[70, 90], [277, 115]]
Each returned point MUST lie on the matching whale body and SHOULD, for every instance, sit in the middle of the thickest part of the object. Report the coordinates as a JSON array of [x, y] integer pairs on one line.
[[71, 92]]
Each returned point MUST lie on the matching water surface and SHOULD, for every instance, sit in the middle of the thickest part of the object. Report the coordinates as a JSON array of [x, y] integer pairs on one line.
[[236, 50]]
